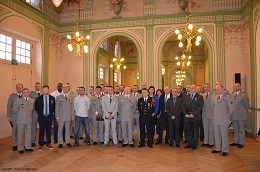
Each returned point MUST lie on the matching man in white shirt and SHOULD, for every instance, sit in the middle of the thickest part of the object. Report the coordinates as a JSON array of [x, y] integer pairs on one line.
[[81, 108], [55, 130]]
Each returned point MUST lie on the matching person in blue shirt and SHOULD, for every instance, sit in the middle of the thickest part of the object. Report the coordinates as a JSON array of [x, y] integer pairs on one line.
[[155, 100]]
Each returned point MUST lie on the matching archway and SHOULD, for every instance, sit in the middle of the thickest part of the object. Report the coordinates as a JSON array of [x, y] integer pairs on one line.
[[207, 37], [129, 35]]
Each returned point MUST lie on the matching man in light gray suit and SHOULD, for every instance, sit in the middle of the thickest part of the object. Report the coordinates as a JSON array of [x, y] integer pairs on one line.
[[127, 105], [110, 107], [241, 105], [64, 111], [34, 95], [136, 115], [96, 114], [222, 108], [23, 109], [11, 116], [207, 117]]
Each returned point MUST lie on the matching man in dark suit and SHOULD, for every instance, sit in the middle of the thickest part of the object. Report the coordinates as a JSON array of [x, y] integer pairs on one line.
[[146, 109], [185, 95], [45, 108], [164, 115], [192, 111], [179, 90], [174, 110]]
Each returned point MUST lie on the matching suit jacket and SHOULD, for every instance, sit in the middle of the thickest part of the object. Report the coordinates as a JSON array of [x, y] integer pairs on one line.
[[96, 106], [193, 106], [39, 106], [64, 109], [222, 109], [145, 109], [174, 110], [12, 98], [241, 105], [127, 107], [207, 111], [162, 103], [23, 110], [34, 95], [108, 107]]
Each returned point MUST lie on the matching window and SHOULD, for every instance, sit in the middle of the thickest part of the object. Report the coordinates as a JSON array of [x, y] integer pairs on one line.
[[35, 3], [101, 73], [117, 49], [23, 52], [115, 77], [104, 45], [5, 47]]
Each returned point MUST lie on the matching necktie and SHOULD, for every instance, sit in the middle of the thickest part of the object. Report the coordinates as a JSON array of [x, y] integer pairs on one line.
[[134, 94], [26, 99], [20, 95], [45, 104], [65, 97], [110, 99], [218, 97], [207, 95], [98, 97], [38, 94], [235, 95], [191, 97], [174, 101], [145, 100], [126, 97]]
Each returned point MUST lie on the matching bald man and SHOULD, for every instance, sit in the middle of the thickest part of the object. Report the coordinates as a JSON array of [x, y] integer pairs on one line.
[[164, 115], [192, 108]]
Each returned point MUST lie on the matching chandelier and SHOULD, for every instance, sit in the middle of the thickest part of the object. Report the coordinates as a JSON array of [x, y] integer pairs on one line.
[[184, 61], [180, 77], [77, 39], [188, 33], [118, 63]]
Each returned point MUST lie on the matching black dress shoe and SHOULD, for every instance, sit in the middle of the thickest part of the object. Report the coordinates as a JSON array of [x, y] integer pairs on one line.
[[171, 144], [124, 145], [194, 147], [177, 146], [188, 146], [88, 143], [94, 143], [210, 146], [120, 141], [224, 154], [81, 138], [101, 143], [240, 146], [33, 145], [141, 146], [55, 141], [185, 141], [150, 146], [21, 152], [233, 144], [69, 145], [76, 144], [166, 142], [132, 145], [215, 151], [29, 150], [45, 142], [14, 148], [158, 142], [204, 145], [60, 146]]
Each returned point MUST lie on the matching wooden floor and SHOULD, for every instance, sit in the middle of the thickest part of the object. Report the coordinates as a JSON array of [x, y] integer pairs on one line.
[[161, 158]]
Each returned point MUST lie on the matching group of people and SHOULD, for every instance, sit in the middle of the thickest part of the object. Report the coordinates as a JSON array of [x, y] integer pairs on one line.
[[192, 113]]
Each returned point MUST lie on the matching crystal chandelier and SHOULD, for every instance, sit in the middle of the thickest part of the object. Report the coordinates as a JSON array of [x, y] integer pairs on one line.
[[118, 63], [77, 39], [180, 77], [188, 33]]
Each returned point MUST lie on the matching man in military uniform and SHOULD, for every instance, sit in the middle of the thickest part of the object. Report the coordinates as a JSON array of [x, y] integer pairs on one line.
[[146, 109], [11, 116], [136, 115], [110, 107], [207, 118], [222, 109], [34, 95], [96, 114], [127, 104], [72, 128], [23, 109], [64, 113], [241, 105]]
